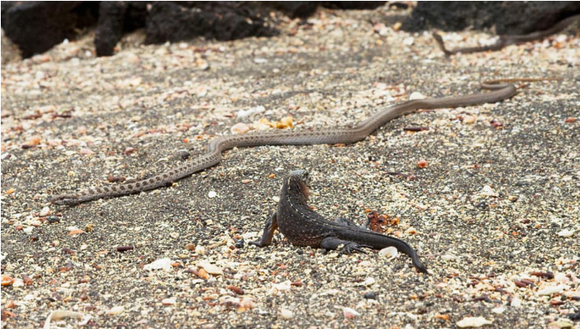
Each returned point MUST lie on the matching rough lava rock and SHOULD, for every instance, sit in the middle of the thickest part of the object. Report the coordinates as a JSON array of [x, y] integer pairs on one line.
[[506, 17], [37, 26], [169, 21], [110, 26]]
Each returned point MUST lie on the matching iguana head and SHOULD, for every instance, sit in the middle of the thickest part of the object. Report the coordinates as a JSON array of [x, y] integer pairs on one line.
[[298, 181]]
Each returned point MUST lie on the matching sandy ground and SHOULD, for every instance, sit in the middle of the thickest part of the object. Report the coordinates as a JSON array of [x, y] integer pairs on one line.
[[494, 212]]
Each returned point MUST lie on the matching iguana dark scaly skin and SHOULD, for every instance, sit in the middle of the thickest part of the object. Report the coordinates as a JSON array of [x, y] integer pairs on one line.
[[302, 226]]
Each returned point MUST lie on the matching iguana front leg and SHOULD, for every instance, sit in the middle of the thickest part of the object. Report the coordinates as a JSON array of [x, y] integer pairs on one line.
[[269, 229]]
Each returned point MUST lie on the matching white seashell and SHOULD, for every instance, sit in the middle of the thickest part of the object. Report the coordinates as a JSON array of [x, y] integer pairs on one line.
[[369, 281], [210, 268], [254, 110], [474, 322], [240, 128], [45, 212], [116, 310], [200, 250], [389, 252], [349, 313], [561, 323], [416, 95], [160, 264], [449, 257], [286, 314], [286, 285], [488, 191], [561, 278], [61, 315], [566, 233], [408, 41], [498, 310], [551, 290], [168, 301]]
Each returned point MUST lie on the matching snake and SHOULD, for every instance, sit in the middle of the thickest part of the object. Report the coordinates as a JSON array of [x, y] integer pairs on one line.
[[506, 40], [498, 90]]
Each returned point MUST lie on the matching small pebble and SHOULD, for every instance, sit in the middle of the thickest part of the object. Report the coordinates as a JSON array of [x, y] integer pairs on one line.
[[76, 232], [203, 274], [235, 289], [129, 150], [408, 41], [124, 248], [32, 142], [285, 122], [370, 295], [239, 243], [7, 281]]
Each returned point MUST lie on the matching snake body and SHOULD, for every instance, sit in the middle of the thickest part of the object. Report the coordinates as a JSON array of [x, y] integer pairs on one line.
[[506, 40], [499, 90]]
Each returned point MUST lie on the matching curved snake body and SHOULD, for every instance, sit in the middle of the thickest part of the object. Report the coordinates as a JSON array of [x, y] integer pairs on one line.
[[500, 90]]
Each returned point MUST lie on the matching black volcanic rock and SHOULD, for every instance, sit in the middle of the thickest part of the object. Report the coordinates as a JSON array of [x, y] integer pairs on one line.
[[506, 17], [110, 26], [37, 26]]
